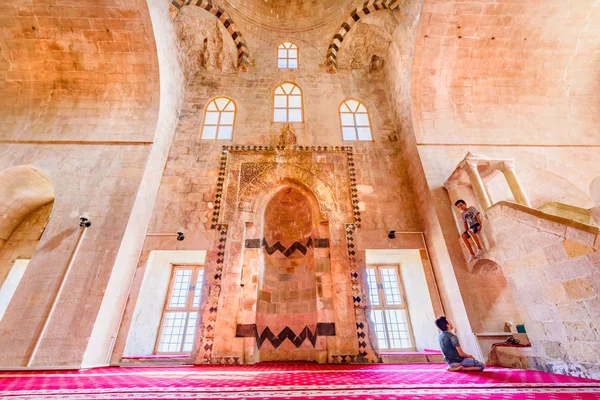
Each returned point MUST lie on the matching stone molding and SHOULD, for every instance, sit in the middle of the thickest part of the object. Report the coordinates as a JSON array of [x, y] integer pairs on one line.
[[251, 330], [219, 200]]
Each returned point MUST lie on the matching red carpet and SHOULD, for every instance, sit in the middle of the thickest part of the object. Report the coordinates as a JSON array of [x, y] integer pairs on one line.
[[278, 381]]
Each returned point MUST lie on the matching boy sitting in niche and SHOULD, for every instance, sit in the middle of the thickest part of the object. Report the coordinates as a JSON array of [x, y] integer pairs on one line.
[[472, 219], [457, 359]]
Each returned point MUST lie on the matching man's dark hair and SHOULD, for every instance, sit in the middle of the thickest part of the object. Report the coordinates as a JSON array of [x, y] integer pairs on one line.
[[442, 324], [459, 202]]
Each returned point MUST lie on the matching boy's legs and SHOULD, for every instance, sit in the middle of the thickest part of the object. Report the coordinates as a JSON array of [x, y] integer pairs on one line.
[[465, 238], [475, 239]]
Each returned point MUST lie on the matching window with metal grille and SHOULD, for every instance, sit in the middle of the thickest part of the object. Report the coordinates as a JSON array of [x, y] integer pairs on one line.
[[287, 55], [180, 314], [389, 311]]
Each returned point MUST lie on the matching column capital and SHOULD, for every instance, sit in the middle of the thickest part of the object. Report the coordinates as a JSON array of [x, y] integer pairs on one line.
[[470, 166], [508, 165], [451, 184]]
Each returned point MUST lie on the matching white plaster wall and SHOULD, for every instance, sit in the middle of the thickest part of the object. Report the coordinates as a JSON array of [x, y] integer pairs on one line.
[[420, 307], [148, 309]]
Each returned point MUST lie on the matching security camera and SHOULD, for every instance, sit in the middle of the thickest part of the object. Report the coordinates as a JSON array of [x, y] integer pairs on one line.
[[84, 220], [392, 235], [180, 235]]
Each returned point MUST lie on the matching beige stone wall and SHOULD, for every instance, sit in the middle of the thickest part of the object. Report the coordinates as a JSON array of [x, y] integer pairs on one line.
[[487, 78], [398, 75], [24, 239], [552, 267], [78, 71], [186, 196], [104, 187], [80, 102]]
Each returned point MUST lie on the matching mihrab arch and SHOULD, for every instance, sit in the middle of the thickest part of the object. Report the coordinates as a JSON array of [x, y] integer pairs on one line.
[[256, 194]]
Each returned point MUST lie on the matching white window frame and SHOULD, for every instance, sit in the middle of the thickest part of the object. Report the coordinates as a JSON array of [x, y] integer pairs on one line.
[[188, 308], [286, 47], [384, 306]]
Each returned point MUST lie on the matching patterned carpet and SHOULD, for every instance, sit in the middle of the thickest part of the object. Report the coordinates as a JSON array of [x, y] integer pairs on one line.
[[278, 381]]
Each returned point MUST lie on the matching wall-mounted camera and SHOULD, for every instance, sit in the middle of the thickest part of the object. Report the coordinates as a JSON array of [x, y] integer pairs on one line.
[[392, 235], [84, 220]]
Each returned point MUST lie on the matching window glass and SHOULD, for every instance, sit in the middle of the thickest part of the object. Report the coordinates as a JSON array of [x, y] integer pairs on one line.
[[287, 55], [219, 119], [178, 325], [355, 121], [389, 312], [287, 103]]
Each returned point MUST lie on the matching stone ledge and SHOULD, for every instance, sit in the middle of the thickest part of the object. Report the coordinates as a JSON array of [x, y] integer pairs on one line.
[[578, 230]]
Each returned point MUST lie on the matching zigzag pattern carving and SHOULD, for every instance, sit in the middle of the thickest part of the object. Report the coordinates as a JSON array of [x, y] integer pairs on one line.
[[323, 329], [277, 246]]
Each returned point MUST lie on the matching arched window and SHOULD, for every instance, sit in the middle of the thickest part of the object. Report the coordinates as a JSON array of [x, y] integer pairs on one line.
[[287, 55], [287, 103], [219, 118], [355, 121]]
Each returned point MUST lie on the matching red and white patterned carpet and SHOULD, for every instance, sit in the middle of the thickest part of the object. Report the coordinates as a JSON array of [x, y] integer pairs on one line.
[[278, 381]]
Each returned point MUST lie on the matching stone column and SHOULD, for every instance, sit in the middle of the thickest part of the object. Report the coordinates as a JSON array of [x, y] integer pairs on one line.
[[508, 169], [454, 194], [477, 184], [488, 191]]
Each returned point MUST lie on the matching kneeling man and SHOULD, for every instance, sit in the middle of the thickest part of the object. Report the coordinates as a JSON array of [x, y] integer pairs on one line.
[[457, 359]]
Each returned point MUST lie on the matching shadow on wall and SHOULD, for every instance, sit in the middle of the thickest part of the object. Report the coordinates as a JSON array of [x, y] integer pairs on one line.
[[26, 200]]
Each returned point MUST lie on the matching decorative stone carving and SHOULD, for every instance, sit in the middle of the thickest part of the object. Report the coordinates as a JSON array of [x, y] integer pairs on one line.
[[205, 43], [287, 136], [367, 44]]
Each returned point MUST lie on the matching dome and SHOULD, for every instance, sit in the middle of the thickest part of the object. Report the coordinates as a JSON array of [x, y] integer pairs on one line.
[[291, 15]]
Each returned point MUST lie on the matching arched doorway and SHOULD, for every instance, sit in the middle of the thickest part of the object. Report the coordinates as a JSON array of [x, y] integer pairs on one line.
[[26, 200]]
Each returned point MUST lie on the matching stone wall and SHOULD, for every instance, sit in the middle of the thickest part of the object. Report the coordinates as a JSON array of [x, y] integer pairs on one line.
[[553, 268], [287, 295], [24, 239], [489, 78], [80, 103], [187, 192]]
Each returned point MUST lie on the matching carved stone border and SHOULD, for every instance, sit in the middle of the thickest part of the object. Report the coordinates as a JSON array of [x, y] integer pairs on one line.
[[208, 333], [225, 19], [336, 43], [218, 200], [366, 351]]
